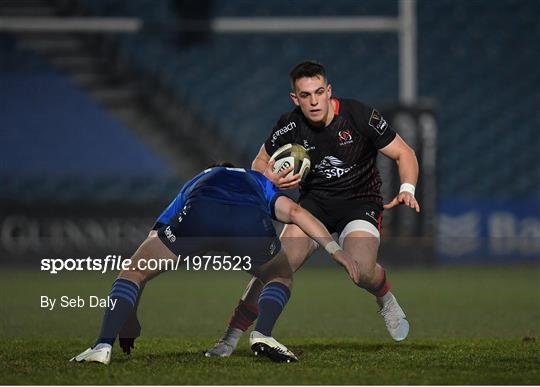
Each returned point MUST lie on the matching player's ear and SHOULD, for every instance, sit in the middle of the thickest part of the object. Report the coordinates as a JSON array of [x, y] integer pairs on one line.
[[329, 90], [294, 98]]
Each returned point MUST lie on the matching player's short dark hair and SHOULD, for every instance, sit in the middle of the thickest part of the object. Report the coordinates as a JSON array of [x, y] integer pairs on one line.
[[306, 69], [227, 164]]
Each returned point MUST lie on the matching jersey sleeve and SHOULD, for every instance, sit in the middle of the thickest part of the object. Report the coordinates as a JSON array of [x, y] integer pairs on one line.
[[164, 218], [284, 132], [271, 193], [372, 124], [177, 204]]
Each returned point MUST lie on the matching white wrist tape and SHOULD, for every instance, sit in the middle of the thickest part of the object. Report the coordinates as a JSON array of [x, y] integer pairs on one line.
[[332, 247], [407, 187]]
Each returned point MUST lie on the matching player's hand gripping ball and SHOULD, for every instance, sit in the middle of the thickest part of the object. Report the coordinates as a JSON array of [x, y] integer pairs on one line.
[[292, 155]]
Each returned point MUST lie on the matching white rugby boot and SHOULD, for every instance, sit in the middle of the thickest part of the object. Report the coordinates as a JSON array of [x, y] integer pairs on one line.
[[394, 317], [227, 344], [220, 349], [262, 345], [101, 353]]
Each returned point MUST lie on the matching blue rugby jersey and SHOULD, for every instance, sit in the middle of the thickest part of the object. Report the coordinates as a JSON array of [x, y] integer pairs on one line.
[[236, 186]]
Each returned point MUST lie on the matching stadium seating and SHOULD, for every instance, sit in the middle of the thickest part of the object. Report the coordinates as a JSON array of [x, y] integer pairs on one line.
[[477, 61], [53, 143], [480, 61], [467, 53]]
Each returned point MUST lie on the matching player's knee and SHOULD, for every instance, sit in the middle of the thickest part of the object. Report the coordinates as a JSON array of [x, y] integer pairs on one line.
[[367, 273], [285, 276], [293, 238], [287, 281], [281, 272], [286, 273], [297, 246], [137, 276]]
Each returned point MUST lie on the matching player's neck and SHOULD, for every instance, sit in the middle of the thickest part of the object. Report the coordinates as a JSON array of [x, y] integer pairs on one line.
[[331, 112]]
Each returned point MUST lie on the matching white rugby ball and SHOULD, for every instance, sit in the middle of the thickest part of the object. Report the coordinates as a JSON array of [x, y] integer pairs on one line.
[[292, 155]]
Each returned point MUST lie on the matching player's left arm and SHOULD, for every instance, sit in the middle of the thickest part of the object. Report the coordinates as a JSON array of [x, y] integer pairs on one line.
[[407, 163]]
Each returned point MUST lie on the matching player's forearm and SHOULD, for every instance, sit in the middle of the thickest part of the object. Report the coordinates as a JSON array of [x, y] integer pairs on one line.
[[259, 164], [408, 167], [311, 226]]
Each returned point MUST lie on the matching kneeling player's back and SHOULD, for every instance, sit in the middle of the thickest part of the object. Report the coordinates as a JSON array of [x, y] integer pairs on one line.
[[233, 186]]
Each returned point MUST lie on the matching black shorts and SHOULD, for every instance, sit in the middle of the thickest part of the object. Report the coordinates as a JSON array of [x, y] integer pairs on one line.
[[337, 214], [238, 230]]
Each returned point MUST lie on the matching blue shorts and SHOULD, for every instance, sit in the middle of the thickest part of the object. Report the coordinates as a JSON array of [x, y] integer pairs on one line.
[[205, 225]]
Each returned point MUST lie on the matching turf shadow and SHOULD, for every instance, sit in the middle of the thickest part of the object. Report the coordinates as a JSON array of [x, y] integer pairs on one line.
[[189, 356], [364, 347]]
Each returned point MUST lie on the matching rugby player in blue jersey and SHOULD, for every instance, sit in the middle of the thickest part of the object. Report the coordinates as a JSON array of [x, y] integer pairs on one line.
[[221, 209]]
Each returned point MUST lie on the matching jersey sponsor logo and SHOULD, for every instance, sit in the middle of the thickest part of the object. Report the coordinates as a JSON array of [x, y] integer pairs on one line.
[[287, 128], [377, 122], [345, 137], [169, 234], [331, 167]]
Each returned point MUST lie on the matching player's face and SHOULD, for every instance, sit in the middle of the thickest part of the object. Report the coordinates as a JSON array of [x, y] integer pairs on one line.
[[313, 96]]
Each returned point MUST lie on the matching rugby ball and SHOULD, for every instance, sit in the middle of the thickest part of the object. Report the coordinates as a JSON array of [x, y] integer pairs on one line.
[[292, 155]]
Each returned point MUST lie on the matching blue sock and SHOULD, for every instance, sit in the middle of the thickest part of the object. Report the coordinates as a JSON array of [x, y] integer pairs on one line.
[[272, 300], [125, 293]]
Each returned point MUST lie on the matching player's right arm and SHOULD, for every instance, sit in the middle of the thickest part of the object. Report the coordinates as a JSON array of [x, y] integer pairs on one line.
[[264, 165], [260, 162], [283, 132], [287, 211]]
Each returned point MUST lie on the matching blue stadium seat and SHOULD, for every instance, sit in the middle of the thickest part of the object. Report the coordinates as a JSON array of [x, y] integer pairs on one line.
[[57, 143]]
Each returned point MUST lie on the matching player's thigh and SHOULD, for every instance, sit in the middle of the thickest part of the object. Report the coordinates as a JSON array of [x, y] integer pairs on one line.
[[151, 258], [363, 247], [359, 232], [278, 268], [297, 245]]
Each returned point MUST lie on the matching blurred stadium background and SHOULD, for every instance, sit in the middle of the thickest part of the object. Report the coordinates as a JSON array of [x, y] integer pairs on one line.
[[107, 107], [104, 118]]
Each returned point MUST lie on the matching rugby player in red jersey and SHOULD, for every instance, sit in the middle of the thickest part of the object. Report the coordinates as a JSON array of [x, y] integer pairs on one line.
[[343, 138]]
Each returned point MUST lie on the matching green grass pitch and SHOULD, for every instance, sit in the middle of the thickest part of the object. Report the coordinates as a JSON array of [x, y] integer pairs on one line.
[[468, 326]]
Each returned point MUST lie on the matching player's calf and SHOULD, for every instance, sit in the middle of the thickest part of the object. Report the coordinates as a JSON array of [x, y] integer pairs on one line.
[[389, 309], [124, 297], [272, 300], [276, 271], [394, 317]]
